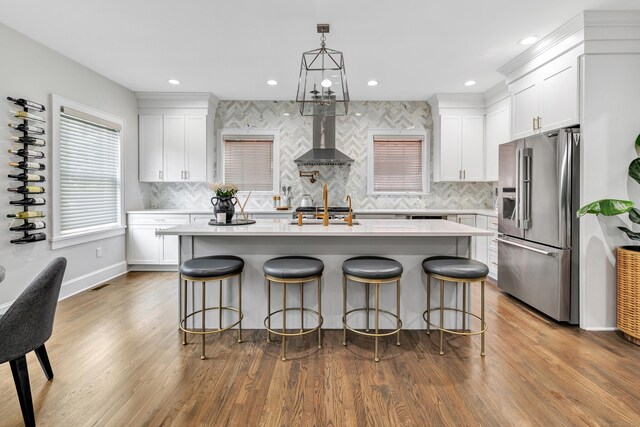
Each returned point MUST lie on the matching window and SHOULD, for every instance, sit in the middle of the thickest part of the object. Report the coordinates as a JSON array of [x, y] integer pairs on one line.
[[249, 161], [398, 163], [87, 172]]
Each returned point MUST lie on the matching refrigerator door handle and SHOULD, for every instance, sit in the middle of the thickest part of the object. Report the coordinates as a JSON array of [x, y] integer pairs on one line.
[[526, 187], [529, 248], [518, 188]]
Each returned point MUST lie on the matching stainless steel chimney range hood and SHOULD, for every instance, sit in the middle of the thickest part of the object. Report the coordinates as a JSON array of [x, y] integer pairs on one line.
[[324, 150]]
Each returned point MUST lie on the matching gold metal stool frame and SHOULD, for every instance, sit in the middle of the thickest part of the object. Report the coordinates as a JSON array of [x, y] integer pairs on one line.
[[203, 331], [283, 333], [367, 309], [442, 309]]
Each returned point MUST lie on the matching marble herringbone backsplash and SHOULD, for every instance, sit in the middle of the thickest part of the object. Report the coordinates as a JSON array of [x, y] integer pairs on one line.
[[351, 138]]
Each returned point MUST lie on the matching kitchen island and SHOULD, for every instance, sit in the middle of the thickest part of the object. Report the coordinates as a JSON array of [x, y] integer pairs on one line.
[[407, 241]]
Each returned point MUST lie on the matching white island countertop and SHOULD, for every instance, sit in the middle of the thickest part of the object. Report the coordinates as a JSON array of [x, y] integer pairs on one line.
[[366, 227], [356, 211]]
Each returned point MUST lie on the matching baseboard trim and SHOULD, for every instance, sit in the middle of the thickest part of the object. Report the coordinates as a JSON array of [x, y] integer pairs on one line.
[[82, 283], [601, 329], [153, 267]]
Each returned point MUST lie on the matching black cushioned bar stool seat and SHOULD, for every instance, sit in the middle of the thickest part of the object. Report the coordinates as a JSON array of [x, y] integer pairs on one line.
[[207, 269], [212, 266], [454, 269], [293, 270], [371, 270]]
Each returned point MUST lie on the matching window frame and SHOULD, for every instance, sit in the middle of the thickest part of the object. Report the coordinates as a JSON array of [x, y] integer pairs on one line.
[[58, 239], [422, 134], [248, 134]]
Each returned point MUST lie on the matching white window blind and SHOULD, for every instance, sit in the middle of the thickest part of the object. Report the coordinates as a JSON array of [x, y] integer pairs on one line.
[[397, 165], [89, 173], [248, 163]]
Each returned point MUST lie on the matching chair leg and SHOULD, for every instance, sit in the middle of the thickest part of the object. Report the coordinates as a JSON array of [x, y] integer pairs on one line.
[[482, 318], [284, 321], [268, 283], [398, 311], [43, 358], [428, 304], [319, 311], [441, 315], [240, 307], [184, 294], [21, 380], [375, 356], [464, 306], [344, 310], [202, 355], [301, 307], [220, 306], [366, 297]]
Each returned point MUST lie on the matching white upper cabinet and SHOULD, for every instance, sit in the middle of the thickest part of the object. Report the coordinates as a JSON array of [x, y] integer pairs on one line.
[[472, 147], [174, 153], [195, 150], [546, 98], [498, 131], [150, 142], [450, 147]]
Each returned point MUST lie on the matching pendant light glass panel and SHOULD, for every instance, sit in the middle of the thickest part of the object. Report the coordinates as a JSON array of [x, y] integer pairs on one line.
[[322, 87]]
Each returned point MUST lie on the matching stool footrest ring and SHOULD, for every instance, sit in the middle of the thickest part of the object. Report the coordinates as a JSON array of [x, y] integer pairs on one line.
[[184, 328], [451, 331], [294, 334], [372, 334]]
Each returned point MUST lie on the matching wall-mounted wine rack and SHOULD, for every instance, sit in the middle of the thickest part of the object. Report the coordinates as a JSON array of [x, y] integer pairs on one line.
[[31, 188]]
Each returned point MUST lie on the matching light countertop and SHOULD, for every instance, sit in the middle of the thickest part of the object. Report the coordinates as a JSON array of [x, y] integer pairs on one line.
[[356, 211], [367, 227]]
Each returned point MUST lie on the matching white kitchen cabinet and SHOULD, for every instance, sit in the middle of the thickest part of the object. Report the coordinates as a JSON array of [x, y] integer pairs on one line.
[[450, 160], [481, 244], [144, 247], [461, 147], [492, 247], [547, 98], [173, 148], [498, 131]]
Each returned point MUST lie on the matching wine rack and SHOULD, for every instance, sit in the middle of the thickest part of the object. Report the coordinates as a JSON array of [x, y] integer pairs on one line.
[[28, 177]]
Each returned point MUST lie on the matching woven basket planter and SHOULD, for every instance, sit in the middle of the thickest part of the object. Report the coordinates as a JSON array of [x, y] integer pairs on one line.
[[628, 300]]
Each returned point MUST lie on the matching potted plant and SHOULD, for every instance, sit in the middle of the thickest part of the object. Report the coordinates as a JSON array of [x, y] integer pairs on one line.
[[224, 200], [627, 258]]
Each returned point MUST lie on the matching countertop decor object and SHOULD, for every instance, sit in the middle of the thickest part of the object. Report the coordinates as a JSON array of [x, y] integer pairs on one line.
[[224, 200], [627, 257], [238, 221]]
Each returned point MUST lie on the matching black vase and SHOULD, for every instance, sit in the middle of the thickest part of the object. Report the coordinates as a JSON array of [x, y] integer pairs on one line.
[[224, 204]]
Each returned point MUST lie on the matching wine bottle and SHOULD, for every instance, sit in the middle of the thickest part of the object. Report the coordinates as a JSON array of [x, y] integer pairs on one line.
[[27, 189], [27, 128], [27, 153], [35, 237], [27, 214], [29, 201], [29, 140], [26, 103], [27, 116], [27, 165], [31, 177], [38, 225]]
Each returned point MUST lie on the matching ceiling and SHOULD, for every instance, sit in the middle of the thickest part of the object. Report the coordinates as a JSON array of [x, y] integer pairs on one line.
[[414, 48]]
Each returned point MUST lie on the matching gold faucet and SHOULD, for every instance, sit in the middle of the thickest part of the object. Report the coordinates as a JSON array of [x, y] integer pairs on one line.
[[350, 217], [325, 215]]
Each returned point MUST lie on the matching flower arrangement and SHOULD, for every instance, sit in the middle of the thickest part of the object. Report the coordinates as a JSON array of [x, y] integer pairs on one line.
[[224, 190]]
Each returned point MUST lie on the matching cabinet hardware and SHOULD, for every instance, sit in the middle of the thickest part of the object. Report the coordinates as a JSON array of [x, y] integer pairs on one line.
[[494, 263], [181, 174], [460, 174], [533, 125], [464, 174], [539, 122], [159, 174], [186, 174]]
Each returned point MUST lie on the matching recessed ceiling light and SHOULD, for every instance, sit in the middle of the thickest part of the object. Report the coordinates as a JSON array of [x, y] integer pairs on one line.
[[470, 83], [174, 81], [528, 40], [286, 114], [358, 114], [272, 82], [372, 83]]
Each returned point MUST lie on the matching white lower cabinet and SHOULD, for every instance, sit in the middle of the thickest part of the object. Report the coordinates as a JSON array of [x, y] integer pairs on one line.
[[481, 244], [144, 247], [483, 248]]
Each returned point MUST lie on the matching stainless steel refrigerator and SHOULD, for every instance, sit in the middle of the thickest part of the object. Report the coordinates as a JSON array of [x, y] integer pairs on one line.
[[537, 226]]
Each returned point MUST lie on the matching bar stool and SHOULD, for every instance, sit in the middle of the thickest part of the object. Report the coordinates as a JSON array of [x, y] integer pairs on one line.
[[371, 270], [209, 269], [288, 270], [452, 269]]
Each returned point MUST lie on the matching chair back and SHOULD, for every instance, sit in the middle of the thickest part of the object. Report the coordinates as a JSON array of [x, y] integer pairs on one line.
[[28, 323]]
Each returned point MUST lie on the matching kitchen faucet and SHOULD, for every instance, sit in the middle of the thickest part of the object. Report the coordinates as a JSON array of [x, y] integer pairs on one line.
[[350, 217], [325, 215]]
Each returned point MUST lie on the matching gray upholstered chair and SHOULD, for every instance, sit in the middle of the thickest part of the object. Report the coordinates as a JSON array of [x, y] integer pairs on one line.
[[26, 326]]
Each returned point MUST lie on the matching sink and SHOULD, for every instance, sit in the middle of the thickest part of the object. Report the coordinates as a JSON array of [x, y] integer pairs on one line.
[[319, 222]]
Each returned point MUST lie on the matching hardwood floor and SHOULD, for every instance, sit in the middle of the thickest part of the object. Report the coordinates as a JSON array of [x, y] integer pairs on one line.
[[118, 360]]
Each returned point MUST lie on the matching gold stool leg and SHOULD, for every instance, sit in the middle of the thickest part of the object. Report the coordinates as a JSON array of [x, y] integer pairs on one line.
[[184, 294], [464, 306], [441, 315], [344, 309], [268, 283], [301, 307], [284, 321], [220, 305], [202, 356], [240, 307], [428, 304], [319, 311], [482, 318], [398, 310], [377, 321], [366, 297]]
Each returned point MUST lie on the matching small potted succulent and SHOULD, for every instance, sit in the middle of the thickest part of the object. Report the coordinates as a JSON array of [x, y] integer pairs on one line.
[[627, 257], [224, 200]]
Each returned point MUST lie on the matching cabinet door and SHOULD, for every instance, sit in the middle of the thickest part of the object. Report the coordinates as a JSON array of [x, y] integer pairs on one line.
[[170, 248], [481, 245], [196, 148], [450, 147], [143, 246], [559, 94], [473, 147], [150, 148], [525, 105], [173, 147], [498, 132]]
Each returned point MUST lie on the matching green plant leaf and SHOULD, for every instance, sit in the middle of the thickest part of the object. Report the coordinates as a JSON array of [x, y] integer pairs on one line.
[[634, 170], [607, 207], [631, 234], [634, 216], [638, 141]]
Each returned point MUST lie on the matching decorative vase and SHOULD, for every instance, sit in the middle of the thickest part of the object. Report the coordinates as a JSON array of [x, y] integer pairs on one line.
[[224, 205], [628, 293]]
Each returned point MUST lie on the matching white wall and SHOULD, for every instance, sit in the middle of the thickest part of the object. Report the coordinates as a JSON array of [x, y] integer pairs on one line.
[[610, 125], [30, 70]]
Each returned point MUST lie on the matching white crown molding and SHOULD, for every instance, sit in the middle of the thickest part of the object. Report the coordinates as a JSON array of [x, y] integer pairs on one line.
[[496, 94], [150, 100]]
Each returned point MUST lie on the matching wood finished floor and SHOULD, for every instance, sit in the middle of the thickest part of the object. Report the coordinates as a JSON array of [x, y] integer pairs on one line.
[[118, 360]]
